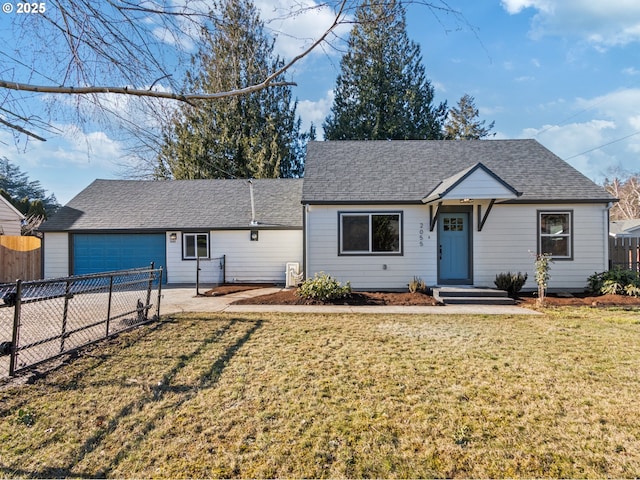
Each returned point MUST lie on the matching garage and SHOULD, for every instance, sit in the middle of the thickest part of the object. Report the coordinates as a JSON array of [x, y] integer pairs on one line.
[[105, 252]]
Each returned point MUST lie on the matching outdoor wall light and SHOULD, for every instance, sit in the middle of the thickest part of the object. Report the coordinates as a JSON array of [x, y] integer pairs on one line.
[[254, 235], [173, 236]]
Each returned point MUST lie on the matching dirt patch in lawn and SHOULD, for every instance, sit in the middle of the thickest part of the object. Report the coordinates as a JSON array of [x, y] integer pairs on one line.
[[290, 297], [559, 300]]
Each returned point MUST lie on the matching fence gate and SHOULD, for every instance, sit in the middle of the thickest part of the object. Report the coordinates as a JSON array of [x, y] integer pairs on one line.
[[210, 271], [624, 253]]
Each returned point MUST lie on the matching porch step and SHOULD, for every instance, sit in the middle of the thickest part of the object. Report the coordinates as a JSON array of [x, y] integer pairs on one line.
[[471, 296]]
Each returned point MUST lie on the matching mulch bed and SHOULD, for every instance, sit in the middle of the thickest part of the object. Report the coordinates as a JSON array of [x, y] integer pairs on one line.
[[582, 300], [289, 297]]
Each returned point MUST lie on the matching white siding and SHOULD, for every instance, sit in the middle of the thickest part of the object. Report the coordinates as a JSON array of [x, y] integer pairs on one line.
[[480, 185], [507, 242], [10, 219], [371, 271], [246, 260], [56, 254]]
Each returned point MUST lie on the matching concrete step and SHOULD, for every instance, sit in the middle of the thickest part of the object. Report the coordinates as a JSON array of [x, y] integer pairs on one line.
[[454, 295]]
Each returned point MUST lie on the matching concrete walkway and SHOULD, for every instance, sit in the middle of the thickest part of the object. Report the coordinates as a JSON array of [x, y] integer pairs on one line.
[[184, 299]]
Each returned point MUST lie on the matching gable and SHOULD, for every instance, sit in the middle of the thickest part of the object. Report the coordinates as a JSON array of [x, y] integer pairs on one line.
[[8, 211], [475, 182]]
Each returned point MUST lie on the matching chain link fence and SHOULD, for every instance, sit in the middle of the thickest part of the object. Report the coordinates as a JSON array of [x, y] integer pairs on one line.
[[42, 319]]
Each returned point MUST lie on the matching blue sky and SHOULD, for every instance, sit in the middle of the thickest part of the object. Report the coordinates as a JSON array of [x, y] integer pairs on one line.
[[564, 72]]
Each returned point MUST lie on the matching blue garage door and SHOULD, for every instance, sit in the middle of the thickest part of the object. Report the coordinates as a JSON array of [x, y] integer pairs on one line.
[[94, 253]]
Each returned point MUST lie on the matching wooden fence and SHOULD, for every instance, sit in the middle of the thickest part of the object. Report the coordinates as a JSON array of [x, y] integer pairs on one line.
[[624, 253], [19, 258]]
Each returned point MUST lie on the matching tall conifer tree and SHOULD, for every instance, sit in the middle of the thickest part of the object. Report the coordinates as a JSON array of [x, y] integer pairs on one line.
[[255, 135], [382, 92], [462, 122]]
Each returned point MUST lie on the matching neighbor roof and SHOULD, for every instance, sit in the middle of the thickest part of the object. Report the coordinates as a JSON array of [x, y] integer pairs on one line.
[[180, 204], [408, 171], [625, 227]]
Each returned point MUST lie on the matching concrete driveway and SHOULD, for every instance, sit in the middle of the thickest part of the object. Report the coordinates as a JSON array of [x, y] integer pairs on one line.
[[184, 299]]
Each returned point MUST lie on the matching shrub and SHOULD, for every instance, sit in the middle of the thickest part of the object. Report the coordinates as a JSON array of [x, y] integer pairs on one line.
[[512, 283], [616, 281], [417, 285], [542, 264], [324, 288]]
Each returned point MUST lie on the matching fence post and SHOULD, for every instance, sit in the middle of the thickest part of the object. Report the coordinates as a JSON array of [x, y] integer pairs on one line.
[[15, 338], [159, 295], [224, 269], [197, 275], [147, 306], [65, 314], [109, 304]]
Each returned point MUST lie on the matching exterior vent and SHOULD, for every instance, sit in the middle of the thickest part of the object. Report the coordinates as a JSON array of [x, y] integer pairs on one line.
[[293, 275]]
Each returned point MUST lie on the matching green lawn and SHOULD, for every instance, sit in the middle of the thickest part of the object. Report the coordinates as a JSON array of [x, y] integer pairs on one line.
[[280, 395]]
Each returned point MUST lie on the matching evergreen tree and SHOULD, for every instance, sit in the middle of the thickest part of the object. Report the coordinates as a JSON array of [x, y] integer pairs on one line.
[[255, 135], [382, 91], [462, 122], [27, 196]]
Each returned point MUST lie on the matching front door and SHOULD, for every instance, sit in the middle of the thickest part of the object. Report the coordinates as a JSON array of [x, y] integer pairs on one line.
[[454, 252]]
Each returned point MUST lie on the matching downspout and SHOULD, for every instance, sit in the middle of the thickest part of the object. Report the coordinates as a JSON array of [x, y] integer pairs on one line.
[[606, 236], [305, 225]]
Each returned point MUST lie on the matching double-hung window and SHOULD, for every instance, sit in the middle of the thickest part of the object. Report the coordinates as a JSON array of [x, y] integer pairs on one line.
[[555, 233], [195, 245], [370, 233]]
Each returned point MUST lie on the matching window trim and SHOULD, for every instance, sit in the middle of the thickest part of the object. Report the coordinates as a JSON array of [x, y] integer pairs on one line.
[[185, 235], [370, 214], [569, 235]]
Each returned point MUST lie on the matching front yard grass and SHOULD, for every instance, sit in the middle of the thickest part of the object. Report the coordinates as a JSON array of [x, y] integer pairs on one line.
[[281, 395]]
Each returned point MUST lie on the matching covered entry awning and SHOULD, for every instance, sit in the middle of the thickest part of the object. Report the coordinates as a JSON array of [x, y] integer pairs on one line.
[[474, 183]]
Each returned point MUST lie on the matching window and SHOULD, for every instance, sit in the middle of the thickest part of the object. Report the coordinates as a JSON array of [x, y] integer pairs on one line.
[[370, 233], [453, 224], [556, 234], [192, 242]]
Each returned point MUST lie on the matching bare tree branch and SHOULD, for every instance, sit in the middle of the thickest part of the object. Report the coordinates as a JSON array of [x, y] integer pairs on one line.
[[143, 93], [128, 43], [22, 130]]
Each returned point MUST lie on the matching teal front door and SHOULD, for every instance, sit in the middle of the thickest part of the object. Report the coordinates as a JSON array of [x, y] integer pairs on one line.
[[454, 253]]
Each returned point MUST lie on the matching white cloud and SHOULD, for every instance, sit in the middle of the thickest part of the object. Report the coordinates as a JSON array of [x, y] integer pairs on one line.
[[604, 24], [66, 164], [315, 112], [297, 24], [610, 138], [516, 6]]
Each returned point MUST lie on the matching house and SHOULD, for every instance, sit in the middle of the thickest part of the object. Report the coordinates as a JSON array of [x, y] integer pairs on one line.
[[379, 213], [10, 218], [242, 231], [625, 228]]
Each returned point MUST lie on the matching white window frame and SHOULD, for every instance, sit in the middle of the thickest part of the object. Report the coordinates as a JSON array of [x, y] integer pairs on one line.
[[195, 236], [370, 216], [568, 235]]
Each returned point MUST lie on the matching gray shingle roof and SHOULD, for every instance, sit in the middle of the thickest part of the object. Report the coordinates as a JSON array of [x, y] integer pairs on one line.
[[180, 204], [622, 227], [407, 171]]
